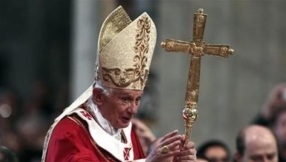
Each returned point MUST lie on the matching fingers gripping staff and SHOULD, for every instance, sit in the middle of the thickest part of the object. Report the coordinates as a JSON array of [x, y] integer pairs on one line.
[[167, 149]]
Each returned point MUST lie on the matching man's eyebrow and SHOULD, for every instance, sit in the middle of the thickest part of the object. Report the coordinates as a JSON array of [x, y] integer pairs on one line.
[[125, 94]]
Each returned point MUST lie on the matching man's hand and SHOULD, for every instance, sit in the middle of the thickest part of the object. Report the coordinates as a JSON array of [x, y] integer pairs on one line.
[[187, 153], [167, 149]]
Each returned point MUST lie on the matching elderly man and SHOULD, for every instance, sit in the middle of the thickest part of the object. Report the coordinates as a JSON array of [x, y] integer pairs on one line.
[[256, 143], [97, 126]]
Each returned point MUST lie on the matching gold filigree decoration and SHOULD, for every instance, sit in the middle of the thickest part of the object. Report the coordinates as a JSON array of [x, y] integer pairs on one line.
[[138, 74]]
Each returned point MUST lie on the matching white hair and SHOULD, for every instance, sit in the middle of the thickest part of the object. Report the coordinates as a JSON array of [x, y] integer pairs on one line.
[[106, 90]]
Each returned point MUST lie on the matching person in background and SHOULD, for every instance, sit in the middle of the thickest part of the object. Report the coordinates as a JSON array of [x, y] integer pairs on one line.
[[145, 135], [214, 151], [6, 155], [279, 129], [200, 159], [276, 99], [256, 143]]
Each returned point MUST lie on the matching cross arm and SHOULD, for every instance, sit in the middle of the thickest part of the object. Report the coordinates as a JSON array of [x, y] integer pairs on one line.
[[172, 45], [218, 50]]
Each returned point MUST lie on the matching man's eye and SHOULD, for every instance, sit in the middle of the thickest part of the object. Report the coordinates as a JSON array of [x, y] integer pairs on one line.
[[138, 99], [125, 99], [271, 156], [256, 158]]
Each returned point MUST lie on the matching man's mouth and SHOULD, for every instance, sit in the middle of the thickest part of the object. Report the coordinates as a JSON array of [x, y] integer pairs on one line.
[[126, 119]]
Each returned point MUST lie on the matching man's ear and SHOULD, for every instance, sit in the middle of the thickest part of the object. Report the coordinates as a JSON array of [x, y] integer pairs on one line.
[[237, 157], [97, 96]]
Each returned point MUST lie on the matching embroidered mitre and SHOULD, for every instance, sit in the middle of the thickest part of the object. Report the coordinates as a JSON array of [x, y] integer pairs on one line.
[[125, 50]]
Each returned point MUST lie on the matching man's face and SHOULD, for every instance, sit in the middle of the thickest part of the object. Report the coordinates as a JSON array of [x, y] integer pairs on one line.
[[260, 151], [120, 106], [216, 154], [280, 128], [278, 98]]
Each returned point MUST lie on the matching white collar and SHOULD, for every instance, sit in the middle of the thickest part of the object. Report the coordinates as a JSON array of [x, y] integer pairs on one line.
[[105, 140], [105, 124]]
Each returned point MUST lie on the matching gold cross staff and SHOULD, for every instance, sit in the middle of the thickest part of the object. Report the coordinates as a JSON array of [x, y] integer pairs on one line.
[[196, 48]]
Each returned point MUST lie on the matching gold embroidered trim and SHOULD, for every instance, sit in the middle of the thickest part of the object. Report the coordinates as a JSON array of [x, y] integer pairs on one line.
[[78, 122], [46, 143], [106, 157], [138, 74], [74, 119], [123, 139], [114, 24]]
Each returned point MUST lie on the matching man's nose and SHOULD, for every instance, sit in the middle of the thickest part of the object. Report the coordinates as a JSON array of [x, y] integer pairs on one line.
[[133, 107]]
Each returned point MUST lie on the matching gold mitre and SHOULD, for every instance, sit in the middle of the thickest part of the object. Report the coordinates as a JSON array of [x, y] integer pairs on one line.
[[125, 50]]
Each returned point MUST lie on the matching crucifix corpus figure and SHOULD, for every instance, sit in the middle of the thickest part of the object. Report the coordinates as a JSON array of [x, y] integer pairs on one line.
[[196, 48]]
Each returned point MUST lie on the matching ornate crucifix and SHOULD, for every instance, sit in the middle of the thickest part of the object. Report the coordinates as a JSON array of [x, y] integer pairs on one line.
[[196, 48]]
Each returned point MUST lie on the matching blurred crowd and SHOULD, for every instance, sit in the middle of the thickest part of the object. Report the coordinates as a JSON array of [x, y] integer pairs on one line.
[[24, 123]]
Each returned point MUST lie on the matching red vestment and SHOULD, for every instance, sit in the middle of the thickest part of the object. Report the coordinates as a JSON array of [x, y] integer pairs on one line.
[[71, 141]]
